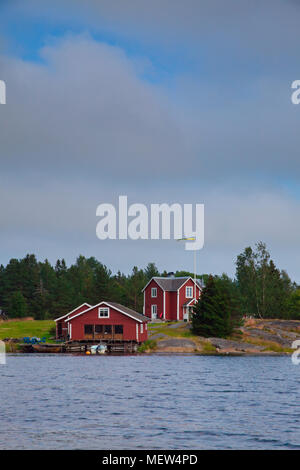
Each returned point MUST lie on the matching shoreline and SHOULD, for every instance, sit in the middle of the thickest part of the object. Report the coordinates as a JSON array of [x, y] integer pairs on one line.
[[159, 353], [255, 337]]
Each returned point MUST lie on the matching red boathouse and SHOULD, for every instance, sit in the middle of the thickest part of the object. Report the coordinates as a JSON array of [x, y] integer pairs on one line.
[[108, 321], [171, 298], [62, 326]]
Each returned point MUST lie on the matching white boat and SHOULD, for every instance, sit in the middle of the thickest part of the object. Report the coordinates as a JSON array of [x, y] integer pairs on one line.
[[98, 349]]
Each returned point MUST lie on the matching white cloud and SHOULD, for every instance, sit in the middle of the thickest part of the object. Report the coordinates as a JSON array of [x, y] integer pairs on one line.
[[86, 107], [83, 127]]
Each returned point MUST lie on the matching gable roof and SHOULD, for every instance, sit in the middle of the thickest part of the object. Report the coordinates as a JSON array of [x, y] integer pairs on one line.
[[187, 304], [85, 304], [125, 310], [171, 284]]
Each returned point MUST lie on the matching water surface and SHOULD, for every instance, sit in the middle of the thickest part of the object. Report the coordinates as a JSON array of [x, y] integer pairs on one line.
[[149, 402]]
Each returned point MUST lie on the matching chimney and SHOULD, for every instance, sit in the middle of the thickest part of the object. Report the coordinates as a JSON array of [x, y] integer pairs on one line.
[[171, 274]]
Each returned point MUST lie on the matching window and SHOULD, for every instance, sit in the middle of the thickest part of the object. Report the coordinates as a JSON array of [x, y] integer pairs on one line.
[[118, 329], [107, 329], [142, 329], [154, 292], [98, 329], [154, 309], [103, 312], [189, 292], [88, 329]]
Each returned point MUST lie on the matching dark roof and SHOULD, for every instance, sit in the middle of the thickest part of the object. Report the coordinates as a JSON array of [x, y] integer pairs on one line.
[[173, 283], [129, 311]]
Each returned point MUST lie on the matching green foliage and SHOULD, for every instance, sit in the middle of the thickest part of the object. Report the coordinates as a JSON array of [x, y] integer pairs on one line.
[[38, 289], [264, 289], [202, 277], [293, 305], [147, 346], [17, 305], [213, 313], [151, 271]]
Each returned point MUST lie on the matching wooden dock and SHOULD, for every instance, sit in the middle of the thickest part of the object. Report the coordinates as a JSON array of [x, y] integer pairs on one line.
[[126, 347]]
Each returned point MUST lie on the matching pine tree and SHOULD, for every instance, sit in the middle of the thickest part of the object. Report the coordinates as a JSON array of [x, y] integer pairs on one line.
[[212, 316], [151, 271], [135, 284]]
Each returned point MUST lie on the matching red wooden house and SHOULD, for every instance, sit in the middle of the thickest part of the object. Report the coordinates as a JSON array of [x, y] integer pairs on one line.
[[62, 326], [170, 298], [108, 321]]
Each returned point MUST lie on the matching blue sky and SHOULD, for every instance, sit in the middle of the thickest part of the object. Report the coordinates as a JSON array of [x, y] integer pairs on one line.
[[162, 101]]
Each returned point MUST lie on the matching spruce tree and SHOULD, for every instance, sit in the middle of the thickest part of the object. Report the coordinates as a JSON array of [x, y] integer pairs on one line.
[[212, 312]]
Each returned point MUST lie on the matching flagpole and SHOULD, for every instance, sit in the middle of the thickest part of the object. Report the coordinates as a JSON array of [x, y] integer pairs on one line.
[[195, 290], [195, 269]]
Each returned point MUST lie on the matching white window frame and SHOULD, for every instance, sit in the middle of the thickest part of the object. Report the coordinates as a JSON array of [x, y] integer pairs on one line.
[[186, 292], [102, 309], [142, 329], [153, 292]]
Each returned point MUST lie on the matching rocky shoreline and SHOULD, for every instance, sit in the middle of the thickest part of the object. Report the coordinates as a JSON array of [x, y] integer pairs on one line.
[[255, 337]]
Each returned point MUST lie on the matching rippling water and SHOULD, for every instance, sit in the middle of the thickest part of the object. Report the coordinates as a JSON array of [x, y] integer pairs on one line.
[[149, 402]]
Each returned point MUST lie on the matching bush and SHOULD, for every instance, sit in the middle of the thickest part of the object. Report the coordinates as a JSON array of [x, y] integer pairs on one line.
[[147, 345]]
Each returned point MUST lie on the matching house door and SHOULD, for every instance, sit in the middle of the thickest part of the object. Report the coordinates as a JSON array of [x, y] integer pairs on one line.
[[186, 313], [153, 312]]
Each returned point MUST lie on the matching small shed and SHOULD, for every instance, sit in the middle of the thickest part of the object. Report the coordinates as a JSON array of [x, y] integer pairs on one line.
[[62, 326]]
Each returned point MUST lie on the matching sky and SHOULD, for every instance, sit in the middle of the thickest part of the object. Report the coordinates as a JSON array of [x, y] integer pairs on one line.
[[163, 101]]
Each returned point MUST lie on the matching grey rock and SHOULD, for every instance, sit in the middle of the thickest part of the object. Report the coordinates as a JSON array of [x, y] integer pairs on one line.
[[282, 324], [265, 335], [176, 343], [221, 343]]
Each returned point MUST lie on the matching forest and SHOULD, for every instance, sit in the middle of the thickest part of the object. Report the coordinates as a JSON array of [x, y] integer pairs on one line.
[[29, 287]]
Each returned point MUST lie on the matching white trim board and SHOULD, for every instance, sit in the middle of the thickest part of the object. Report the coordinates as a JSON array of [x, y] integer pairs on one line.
[[70, 313]]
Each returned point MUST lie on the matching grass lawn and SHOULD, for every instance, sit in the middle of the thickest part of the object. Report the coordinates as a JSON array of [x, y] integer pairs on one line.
[[19, 329], [180, 332]]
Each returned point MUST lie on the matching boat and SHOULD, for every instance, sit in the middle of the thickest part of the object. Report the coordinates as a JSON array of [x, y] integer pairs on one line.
[[99, 349], [47, 348]]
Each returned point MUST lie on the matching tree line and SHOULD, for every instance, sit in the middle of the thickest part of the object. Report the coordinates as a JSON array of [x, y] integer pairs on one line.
[[259, 289], [29, 287], [38, 289]]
